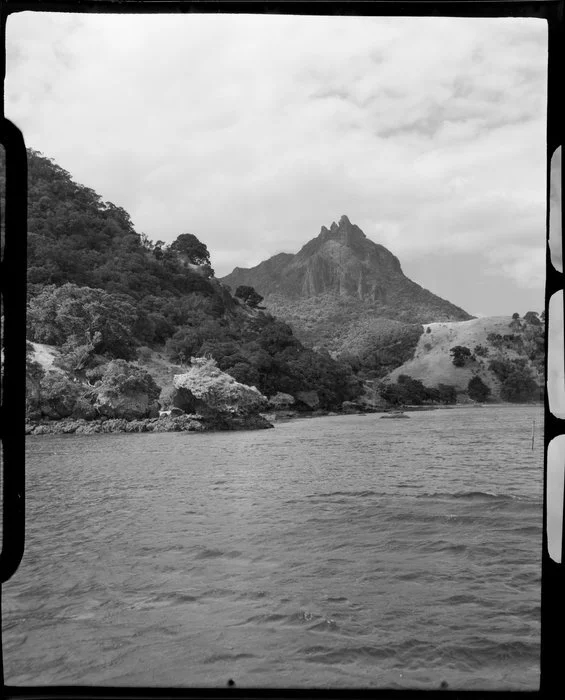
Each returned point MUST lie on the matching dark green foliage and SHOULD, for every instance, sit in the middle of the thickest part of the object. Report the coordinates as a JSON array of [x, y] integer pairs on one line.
[[73, 236], [80, 317], [508, 341], [515, 316], [447, 393], [54, 395], [269, 357], [249, 296], [460, 354], [119, 377], [428, 330], [528, 340], [192, 249], [481, 351], [532, 318], [386, 345], [517, 381], [408, 391], [478, 390]]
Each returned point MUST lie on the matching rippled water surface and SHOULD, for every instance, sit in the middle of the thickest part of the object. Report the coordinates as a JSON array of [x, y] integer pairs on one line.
[[339, 551]]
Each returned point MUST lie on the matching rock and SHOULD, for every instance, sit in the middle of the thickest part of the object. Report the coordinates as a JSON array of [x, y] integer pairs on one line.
[[171, 412], [185, 422], [126, 406], [218, 392], [184, 400], [113, 425], [88, 429]]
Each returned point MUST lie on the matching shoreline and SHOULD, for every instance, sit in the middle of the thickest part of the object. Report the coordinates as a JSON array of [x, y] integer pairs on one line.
[[197, 423], [194, 423]]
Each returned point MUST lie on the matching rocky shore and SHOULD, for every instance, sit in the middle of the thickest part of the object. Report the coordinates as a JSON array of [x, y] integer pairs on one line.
[[186, 423]]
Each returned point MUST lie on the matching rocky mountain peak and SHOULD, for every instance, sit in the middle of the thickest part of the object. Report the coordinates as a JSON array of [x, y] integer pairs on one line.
[[345, 232], [342, 266]]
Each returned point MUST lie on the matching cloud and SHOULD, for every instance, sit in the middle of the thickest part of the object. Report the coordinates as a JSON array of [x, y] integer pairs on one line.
[[253, 131], [524, 264]]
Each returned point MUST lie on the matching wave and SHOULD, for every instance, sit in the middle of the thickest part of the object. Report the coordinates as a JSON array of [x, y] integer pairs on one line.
[[161, 600], [415, 652], [352, 494], [207, 553], [472, 496], [312, 621]]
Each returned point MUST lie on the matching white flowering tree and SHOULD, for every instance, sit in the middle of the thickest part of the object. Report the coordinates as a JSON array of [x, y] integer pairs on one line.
[[218, 390]]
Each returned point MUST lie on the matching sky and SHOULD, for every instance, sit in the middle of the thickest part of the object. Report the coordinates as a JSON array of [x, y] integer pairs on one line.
[[253, 131]]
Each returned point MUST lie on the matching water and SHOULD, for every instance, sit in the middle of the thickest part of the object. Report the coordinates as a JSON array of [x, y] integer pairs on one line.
[[340, 551]]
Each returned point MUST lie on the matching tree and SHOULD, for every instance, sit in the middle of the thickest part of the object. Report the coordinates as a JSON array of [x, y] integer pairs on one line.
[[74, 317], [516, 378], [519, 387], [478, 390], [447, 393], [460, 355], [249, 296], [532, 318], [118, 378], [190, 247], [515, 316]]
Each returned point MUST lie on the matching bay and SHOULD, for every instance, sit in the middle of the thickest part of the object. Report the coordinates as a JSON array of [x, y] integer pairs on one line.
[[345, 551]]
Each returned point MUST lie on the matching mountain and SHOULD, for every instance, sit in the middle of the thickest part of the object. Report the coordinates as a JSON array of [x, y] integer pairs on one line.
[[337, 287]]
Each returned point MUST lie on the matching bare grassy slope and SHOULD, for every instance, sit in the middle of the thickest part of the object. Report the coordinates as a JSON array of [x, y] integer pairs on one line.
[[432, 362]]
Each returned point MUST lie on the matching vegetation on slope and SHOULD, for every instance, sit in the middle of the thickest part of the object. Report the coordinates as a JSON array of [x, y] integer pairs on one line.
[[506, 354], [101, 292]]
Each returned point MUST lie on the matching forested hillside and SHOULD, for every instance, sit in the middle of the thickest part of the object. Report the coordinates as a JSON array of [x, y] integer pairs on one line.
[[118, 315], [100, 291]]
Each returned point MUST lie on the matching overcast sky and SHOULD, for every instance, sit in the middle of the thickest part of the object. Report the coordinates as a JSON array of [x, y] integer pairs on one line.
[[254, 131]]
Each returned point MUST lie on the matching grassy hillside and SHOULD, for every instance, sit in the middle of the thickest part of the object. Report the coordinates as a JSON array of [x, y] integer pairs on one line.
[[517, 341]]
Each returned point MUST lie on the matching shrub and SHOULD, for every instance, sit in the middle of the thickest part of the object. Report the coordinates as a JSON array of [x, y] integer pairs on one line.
[[144, 354], [58, 395], [516, 378], [478, 390], [460, 355], [447, 393], [119, 377], [79, 316], [249, 296]]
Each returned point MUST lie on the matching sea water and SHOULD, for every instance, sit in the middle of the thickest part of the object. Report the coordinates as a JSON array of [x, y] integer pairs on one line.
[[346, 551]]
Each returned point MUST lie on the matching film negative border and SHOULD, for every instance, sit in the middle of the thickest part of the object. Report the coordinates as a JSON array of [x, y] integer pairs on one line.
[[13, 332]]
